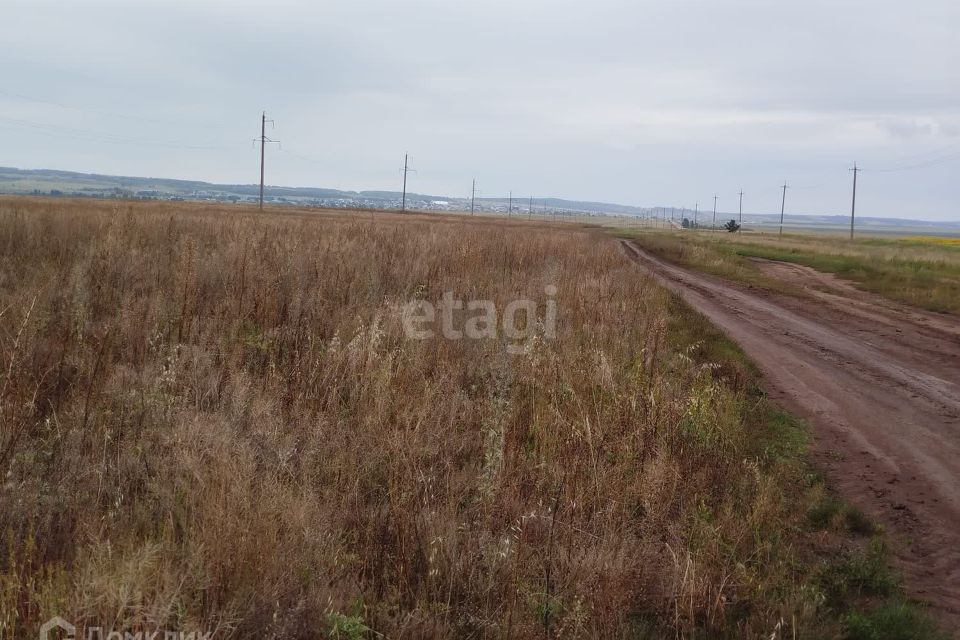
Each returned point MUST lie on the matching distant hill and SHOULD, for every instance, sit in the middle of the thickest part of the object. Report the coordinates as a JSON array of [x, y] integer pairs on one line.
[[70, 183], [74, 184]]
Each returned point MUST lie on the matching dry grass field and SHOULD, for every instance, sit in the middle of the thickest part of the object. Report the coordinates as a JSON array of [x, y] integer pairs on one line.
[[919, 271], [211, 419]]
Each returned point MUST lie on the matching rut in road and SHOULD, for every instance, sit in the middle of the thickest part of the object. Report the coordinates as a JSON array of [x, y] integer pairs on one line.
[[879, 384]]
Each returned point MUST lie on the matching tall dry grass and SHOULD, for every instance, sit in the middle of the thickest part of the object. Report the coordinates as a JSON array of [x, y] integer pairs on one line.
[[211, 419]]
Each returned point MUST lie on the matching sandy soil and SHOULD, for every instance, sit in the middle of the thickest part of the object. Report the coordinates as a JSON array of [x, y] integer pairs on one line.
[[880, 385]]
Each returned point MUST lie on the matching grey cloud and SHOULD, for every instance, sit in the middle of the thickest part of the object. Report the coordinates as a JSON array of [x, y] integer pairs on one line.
[[902, 128]]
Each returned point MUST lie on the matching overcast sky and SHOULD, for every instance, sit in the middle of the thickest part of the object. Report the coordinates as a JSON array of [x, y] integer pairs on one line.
[[662, 102]]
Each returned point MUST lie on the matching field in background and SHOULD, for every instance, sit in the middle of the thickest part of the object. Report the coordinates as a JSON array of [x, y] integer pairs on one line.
[[919, 270], [934, 240], [212, 420]]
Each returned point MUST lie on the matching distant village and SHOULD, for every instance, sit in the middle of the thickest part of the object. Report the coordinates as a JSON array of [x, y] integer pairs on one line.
[[207, 195], [355, 202]]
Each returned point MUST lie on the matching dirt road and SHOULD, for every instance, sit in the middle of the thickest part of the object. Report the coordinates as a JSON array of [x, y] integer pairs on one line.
[[880, 385]]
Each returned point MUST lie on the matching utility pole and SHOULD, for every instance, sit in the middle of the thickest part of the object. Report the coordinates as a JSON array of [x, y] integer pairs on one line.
[[783, 204], [510, 208], [714, 212], [263, 145], [406, 169], [530, 210], [473, 195], [263, 154], [853, 205], [741, 211], [696, 210]]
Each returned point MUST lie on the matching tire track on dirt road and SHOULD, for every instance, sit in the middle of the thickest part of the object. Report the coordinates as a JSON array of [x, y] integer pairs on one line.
[[880, 385]]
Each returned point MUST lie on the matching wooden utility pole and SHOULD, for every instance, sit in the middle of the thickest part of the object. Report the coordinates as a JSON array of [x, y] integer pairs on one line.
[[715, 212], [473, 195], [696, 211], [403, 201], [853, 205], [263, 145], [783, 204], [510, 208], [530, 210]]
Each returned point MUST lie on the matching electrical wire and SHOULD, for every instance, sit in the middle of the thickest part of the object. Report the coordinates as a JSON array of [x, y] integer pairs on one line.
[[923, 160], [110, 138], [62, 105], [299, 157]]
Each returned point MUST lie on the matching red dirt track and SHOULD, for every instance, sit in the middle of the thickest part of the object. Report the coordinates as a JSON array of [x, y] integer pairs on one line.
[[880, 385]]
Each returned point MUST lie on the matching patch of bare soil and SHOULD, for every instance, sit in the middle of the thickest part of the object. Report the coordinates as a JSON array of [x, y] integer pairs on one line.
[[880, 384], [835, 291]]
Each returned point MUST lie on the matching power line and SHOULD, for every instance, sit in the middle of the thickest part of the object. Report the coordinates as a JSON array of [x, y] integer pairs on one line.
[[110, 138], [783, 204], [923, 160], [932, 162], [300, 157], [263, 147], [853, 204], [406, 170], [105, 114]]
